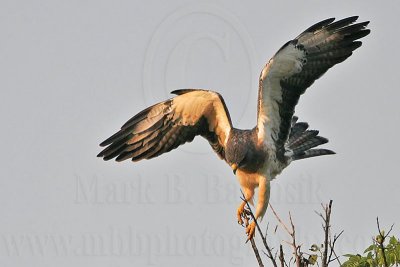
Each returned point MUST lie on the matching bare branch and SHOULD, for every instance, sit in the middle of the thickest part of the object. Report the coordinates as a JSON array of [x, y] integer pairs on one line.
[[320, 215], [281, 256], [264, 239], [326, 227], [379, 229], [253, 245], [279, 220], [292, 233], [332, 247], [296, 249], [381, 241]]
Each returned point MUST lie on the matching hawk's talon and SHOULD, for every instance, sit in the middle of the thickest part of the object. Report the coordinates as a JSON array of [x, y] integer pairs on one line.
[[246, 212], [239, 217], [250, 230], [240, 213]]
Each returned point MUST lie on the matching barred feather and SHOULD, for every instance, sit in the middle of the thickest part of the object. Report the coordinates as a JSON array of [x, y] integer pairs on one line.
[[313, 153], [294, 68], [302, 141], [166, 125]]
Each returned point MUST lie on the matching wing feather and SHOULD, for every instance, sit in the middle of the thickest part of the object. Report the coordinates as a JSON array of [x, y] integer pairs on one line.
[[165, 126], [294, 68]]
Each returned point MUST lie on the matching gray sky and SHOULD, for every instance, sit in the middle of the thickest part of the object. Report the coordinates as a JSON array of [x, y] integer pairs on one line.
[[74, 71]]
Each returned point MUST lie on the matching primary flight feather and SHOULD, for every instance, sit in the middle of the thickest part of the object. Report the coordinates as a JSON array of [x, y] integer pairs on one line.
[[256, 155]]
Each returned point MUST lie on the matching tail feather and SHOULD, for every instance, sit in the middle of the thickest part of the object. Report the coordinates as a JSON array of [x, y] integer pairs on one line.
[[312, 153], [297, 129], [310, 143], [303, 137], [302, 141]]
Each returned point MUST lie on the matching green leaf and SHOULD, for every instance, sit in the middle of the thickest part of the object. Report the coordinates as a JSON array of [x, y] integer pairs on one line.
[[370, 248], [313, 259]]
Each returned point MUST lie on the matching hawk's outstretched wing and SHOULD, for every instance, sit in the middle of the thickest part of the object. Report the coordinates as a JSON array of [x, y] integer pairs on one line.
[[166, 125], [295, 67]]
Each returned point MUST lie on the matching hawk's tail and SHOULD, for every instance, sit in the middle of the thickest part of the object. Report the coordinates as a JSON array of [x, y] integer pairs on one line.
[[301, 141]]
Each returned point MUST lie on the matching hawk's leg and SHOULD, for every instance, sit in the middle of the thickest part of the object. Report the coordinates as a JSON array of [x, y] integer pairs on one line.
[[241, 212], [250, 230], [262, 204]]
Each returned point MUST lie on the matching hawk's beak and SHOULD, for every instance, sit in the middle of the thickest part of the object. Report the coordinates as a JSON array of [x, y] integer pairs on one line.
[[234, 168]]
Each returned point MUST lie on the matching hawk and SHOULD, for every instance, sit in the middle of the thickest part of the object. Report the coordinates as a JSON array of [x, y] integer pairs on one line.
[[256, 155]]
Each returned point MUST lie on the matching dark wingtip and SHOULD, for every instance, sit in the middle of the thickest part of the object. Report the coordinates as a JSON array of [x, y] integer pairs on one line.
[[323, 140], [366, 32], [110, 139], [365, 23], [326, 21], [179, 91], [320, 24], [105, 158], [329, 152], [352, 18], [104, 143], [184, 91], [102, 155], [121, 157], [348, 20]]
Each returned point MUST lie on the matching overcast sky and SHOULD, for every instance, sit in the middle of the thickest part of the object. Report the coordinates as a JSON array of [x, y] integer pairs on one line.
[[72, 72]]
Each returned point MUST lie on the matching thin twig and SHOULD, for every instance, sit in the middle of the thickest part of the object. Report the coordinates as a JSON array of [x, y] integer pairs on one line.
[[281, 256], [253, 245], [292, 233], [381, 241], [388, 233], [332, 247], [296, 248], [279, 220], [264, 239], [328, 209]]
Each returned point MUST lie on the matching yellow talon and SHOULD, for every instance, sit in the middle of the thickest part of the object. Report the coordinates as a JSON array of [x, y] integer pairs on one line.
[[240, 212], [250, 230]]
